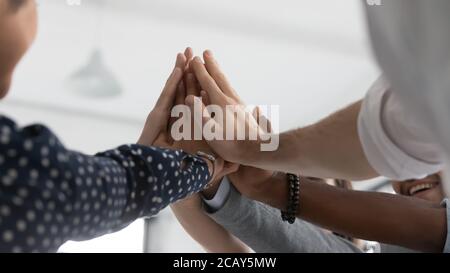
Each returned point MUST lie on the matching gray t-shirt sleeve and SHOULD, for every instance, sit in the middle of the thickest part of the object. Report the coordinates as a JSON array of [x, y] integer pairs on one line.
[[261, 228]]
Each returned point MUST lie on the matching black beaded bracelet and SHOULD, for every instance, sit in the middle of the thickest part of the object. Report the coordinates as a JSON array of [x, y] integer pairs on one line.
[[294, 199]]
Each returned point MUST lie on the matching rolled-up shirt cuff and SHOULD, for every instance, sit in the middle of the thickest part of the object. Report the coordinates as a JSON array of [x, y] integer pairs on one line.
[[446, 203], [382, 153], [220, 198]]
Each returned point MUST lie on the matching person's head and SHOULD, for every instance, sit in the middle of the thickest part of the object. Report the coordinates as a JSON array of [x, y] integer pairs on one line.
[[18, 23], [428, 188]]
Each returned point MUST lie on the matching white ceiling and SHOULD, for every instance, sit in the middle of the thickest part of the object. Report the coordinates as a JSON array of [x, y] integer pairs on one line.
[[309, 57]]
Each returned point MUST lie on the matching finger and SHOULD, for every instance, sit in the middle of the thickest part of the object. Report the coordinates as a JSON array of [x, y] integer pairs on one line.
[[205, 98], [189, 67], [268, 125], [189, 54], [181, 94], [167, 97], [215, 144], [191, 85], [179, 100], [196, 104], [181, 61], [207, 82], [216, 73], [256, 111], [263, 123]]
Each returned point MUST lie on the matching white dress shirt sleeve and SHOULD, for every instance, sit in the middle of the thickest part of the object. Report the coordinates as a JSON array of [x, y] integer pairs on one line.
[[220, 198], [411, 41], [396, 145]]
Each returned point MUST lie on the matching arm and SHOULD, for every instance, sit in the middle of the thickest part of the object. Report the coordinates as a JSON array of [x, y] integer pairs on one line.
[[50, 194], [260, 227], [210, 235], [330, 148], [386, 218]]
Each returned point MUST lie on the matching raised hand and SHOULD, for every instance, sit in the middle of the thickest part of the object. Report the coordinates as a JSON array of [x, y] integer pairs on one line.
[[252, 182], [190, 87], [231, 146], [155, 129]]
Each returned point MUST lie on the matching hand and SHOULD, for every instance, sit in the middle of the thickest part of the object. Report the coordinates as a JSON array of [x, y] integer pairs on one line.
[[155, 131], [252, 182], [219, 92], [191, 87]]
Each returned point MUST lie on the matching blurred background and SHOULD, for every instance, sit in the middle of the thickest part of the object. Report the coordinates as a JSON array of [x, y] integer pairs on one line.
[[97, 68]]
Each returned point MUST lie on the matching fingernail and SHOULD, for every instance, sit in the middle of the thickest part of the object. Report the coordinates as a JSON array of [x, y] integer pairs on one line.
[[209, 53], [197, 59]]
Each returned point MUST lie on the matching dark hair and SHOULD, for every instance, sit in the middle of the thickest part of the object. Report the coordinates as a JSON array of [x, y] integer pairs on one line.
[[16, 4]]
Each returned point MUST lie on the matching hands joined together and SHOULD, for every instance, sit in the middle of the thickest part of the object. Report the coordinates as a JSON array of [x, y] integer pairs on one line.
[[194, 82]]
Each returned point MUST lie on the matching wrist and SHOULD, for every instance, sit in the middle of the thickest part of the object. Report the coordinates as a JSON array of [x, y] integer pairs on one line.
[[249, 154], [212, 166], [211, 191], [276, 193], [142, 141]]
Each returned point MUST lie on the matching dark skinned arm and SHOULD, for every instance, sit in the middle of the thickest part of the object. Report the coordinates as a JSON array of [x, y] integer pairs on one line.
[[387, 218]]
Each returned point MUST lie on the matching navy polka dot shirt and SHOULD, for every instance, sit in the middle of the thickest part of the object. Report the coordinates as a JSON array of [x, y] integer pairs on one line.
[[49, 194]]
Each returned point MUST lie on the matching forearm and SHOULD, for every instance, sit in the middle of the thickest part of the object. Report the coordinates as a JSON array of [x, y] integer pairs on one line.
[[329, 148], [240, 215], [386, 218], [210, 235]]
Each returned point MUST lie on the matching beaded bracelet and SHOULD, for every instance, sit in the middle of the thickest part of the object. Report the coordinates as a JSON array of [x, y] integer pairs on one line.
[[211, 158], [294, 199]]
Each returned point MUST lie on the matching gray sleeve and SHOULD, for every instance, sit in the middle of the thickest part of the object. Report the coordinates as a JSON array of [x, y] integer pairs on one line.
[[261, 228], [386, 248]]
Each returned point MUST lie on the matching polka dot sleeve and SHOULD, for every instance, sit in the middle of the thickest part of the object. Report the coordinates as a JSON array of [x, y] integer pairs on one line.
[[49, 194]]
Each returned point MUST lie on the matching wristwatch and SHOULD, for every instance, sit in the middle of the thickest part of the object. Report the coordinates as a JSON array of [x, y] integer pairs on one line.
[[211, 158]]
